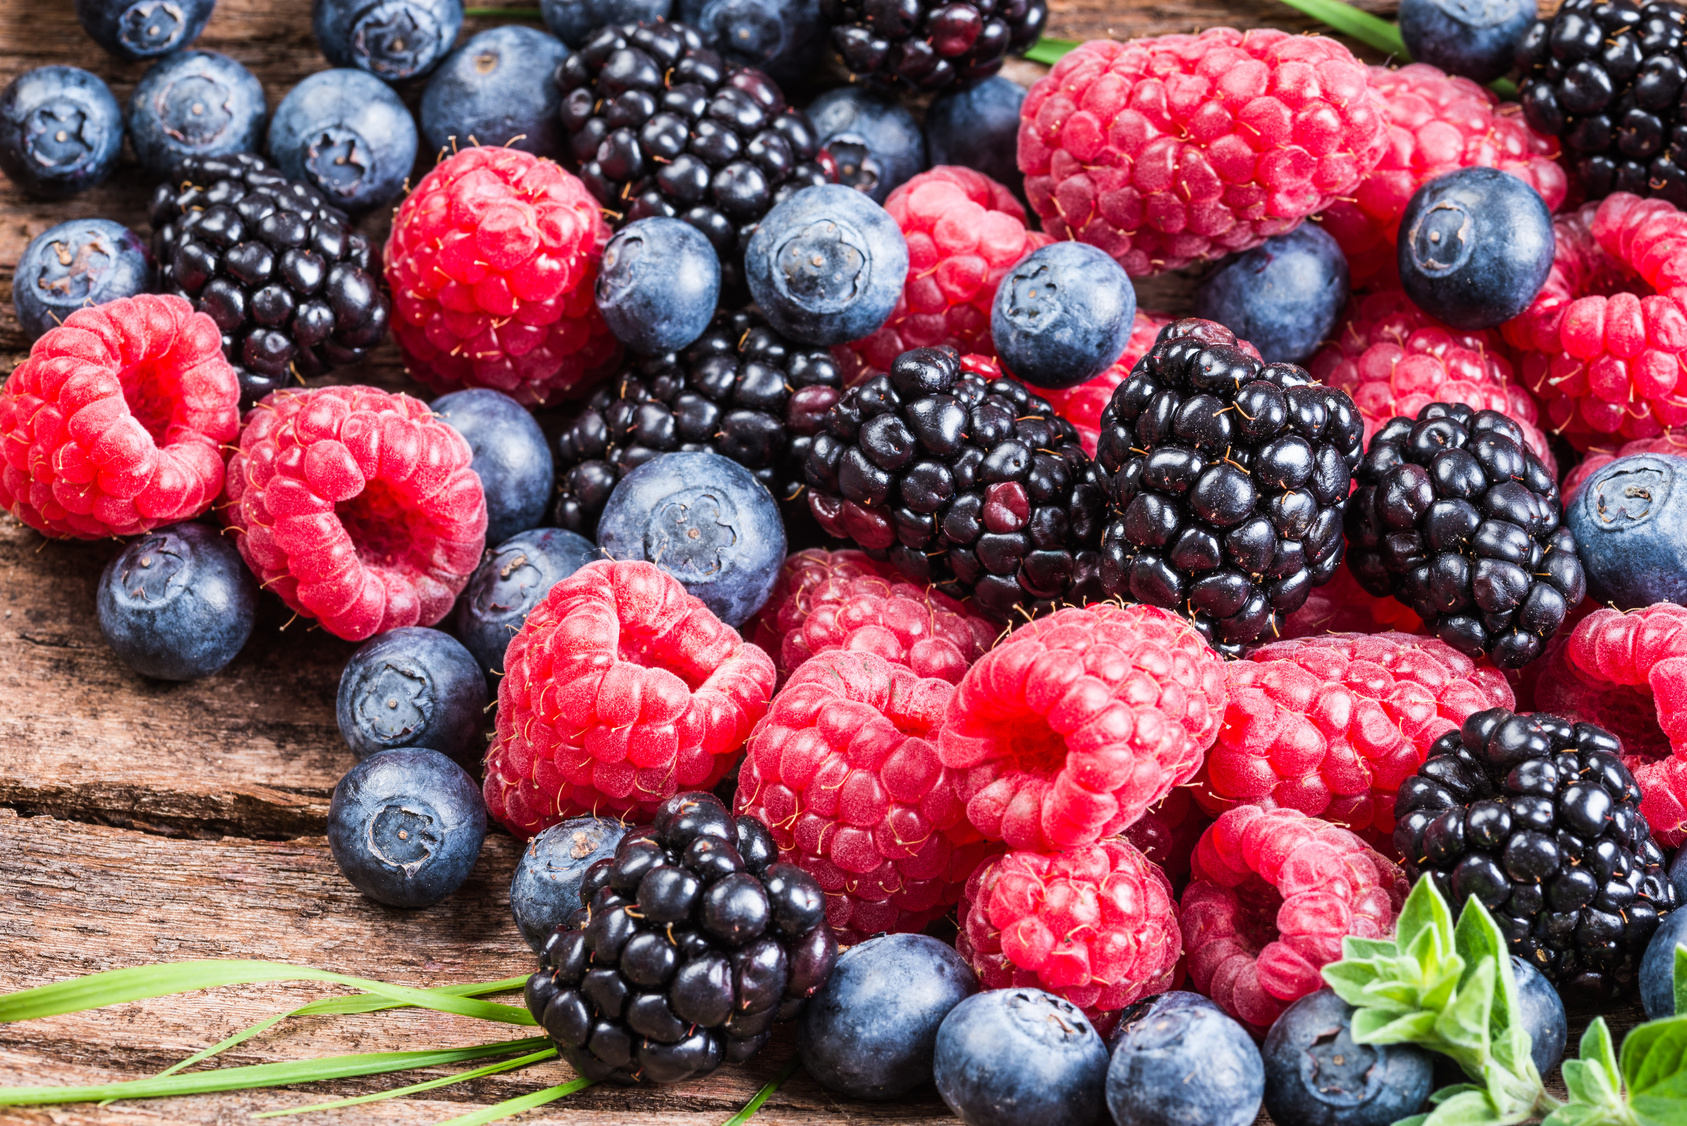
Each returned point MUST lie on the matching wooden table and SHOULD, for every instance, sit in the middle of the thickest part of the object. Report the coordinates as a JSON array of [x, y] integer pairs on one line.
[[143, 822]]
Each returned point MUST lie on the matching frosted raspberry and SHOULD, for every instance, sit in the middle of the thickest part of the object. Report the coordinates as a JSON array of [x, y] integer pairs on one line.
[[619, 691], [114, 425], [1332, 725], [1095, 924], [1598, 457], [1082, 405], [1343, 606], [357, 506], [844, 772], [1171, 150], [1436, 123], [1603, 344], [1167, 833], [492, 263], [1077, 723], [1270, 896]]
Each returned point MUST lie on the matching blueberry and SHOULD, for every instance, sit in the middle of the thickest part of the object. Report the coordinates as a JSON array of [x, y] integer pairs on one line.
[[60, 131], [871, 1031], [496, 89], [346, 132], [1020, 1057], [391, 39], [658, 285], [76, 264], [406, 826], [1475, 247], [194, 103], [1657, 967], [1541, 1013], [509, 582], [784, 39], [1177, 1058], [1063, 315], [412, 687], [705, 520], [1315, 1075], [545, 890], [1630, 524], [977, 127], [143, 29], [1282, 296], [1477, 39], [573, 21], [510, 455], [177, 603], [876, 143], [827, 265]]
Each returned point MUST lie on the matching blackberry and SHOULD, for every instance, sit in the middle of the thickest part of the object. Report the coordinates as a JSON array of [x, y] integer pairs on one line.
[[963, 479], [693, 943], [1226, 478], [1539, 819], [930, 44], [293, 288], [741, 390], [1457, 518], [1607, 79], [660, 125]]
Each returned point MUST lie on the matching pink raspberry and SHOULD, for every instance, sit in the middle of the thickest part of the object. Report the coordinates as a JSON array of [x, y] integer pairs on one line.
[[1602, 346], [619, 691], [1082, 405], [1597, 458], [1436, 123], [1166, 834], [1181, 148], [845, 773], [116, 422], [1332, 725], [1343, 606], [357, 506], [1271, 894], [492, 263], [1077, 723], [1095, 924]]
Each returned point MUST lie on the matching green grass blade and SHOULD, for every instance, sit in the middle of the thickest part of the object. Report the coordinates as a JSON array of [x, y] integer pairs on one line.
[[1373, 31], [414, 1088], [521, 1104], [762, 1095], [1049, 51]]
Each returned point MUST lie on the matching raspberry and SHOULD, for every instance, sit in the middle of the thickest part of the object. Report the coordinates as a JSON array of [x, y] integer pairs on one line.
[[357, 506], [1669, 442], [1343, 606], [1332, 725], [1271, 894], [965, 232], [492, 264], [1167, 833], [1436, 123], [114, 424], [1077, 723], [1603, 344], [1096, 925], [619, 691], [1171, 150], [844, 772], [1082, 405]]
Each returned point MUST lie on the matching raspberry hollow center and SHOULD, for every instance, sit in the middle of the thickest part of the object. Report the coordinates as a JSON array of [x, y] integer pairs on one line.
[[1256, 915], [154, 395], [381, 523]]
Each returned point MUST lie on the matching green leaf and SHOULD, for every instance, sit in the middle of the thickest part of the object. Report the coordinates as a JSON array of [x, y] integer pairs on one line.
[[1414, 1120], [1356, 949], [1469, 1108], [1345, 18], [1464, 1022], [1595, 1049], [1650, 1111], [762, 1095], [415, 1088], [1654, 1059], [1572, 1114], [1373, 1027], [1445, 1093], [1477, 937], [509, 1108], [1680, 979], [1050, 51], [1351, 980]]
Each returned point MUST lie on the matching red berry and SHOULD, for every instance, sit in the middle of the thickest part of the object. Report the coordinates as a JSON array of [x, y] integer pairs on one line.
[[1082, 405], [492, 264], [619, 691], [1669, 442], [357, 506], [1343, 606], [116, 422]]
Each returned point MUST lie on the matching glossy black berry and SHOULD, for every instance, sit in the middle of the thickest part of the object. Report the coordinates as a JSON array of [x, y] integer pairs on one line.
[[930, 44]]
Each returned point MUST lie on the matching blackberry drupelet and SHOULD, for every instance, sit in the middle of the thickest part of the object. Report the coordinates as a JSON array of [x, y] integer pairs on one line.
[[1458, 519], [659, 124], [963, 479], [693, 943], [293, 288], [1607, 79], [742, 390], [930, 44], [1539, 819], [1226, 478]]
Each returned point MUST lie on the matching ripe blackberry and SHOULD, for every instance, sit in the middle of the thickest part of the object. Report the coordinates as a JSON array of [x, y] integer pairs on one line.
[[929, 44], [1458, 519], [1539, 819], [1226, 478], [1607, 79], [293, 288], [694, 941], [659, 124], [741, 390], [963, 479]]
